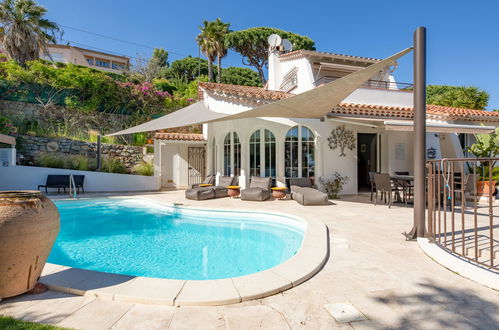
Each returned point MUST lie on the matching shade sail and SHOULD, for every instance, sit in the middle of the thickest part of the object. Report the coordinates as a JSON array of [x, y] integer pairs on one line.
[[408, 126], [193, 114], [314, 103]]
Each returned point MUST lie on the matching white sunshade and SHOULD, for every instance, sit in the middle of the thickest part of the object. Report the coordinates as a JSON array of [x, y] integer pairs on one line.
[[408, 126], [315, 103], [196, 113]]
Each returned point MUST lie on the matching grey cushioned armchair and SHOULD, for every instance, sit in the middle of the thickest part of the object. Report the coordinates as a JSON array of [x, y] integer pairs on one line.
[[259, 189]]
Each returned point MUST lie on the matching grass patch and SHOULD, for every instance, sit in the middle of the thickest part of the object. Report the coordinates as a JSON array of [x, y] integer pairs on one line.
[[9, 323]]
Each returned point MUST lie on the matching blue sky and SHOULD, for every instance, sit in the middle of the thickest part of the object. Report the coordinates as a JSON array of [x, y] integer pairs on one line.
[[463, 36]]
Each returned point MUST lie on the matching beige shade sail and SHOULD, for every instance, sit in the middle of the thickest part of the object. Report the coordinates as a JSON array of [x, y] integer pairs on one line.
[[196, 113], [314, 103]]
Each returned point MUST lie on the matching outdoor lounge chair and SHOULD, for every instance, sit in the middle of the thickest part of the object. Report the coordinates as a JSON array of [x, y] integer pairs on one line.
[[210, 179], [200, 193], [56, 181], [259, 189], [221, 189], [79, 179], [303, 192]]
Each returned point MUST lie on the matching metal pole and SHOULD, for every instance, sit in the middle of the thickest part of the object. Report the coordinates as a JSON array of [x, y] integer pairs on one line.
[[99, 165], [418, 229]]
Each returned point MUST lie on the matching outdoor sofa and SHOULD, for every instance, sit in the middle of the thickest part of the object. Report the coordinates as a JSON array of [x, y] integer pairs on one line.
[[218, 191], [259, 189], [303, 192]]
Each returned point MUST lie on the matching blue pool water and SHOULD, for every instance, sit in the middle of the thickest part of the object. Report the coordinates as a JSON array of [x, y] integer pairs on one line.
[[143, 238]]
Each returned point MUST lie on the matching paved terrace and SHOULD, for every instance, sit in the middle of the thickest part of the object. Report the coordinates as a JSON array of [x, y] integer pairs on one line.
[[370, 266]]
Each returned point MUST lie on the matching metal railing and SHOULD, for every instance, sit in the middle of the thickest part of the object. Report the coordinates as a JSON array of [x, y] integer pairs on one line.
[[461, 204], [375, 84]]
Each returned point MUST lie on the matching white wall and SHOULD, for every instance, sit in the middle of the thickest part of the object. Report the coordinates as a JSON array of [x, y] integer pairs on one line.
[[380, 97], [29, 177]]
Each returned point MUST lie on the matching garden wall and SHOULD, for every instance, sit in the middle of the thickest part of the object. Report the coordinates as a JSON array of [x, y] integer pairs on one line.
[[28, 178], [29, 149]]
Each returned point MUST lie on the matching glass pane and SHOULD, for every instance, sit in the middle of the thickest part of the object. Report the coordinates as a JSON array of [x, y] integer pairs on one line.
[[255, 154], [270, 169], [308, 153], [227, 165], [291, 153], [237, 155]]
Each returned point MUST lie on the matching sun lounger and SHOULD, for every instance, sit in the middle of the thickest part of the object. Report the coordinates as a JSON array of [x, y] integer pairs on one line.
[[210, 179], [303, 192], [259, 189], [200, 193], [224, 182]]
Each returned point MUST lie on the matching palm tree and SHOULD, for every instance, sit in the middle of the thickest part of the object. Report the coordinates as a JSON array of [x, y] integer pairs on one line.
[[207, 42], [220, 30], [25, 30]]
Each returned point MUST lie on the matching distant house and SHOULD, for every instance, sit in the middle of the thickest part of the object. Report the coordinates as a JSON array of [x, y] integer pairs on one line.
[[85, 57]]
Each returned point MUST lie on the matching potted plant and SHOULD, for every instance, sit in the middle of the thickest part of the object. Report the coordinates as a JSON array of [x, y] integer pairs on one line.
[[486, 146], [335, 185]]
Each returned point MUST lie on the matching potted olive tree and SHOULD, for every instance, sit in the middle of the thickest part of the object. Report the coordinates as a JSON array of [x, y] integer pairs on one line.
[[486, 146]]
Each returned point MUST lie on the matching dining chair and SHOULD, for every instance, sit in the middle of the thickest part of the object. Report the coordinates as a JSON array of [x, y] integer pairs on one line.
[[373, 184], [384, 185]]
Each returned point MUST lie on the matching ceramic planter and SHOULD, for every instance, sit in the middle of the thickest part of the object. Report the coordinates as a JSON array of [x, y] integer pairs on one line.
[[483, 188], [29, 224]]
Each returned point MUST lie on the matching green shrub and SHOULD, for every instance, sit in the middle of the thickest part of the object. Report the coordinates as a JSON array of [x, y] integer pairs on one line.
[[52, 160], [78, 162], [144, 168], [113, 165]]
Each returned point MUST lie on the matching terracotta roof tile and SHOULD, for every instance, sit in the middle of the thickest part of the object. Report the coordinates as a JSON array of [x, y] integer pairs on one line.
[[244, 91], [179, 136], [370, 110], [303, 52]]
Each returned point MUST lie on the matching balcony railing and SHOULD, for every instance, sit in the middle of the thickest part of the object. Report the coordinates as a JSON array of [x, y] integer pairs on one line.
[[375, 84], [461, 207]]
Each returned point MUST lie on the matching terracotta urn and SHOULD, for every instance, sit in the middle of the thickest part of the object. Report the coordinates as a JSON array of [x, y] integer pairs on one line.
[[29, 224], [483, 188]]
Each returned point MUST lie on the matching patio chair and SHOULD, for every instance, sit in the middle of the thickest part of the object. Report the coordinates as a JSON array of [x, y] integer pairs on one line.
[[384, 185], [406, 184], [79, 179], [302, 191], [210, 179], [56, 181], [221, 189], [259, 189], [373, 185]]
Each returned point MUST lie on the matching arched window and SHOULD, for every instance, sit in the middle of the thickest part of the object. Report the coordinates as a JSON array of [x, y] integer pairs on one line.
[[262, 153], [299, 152], [232, 154]]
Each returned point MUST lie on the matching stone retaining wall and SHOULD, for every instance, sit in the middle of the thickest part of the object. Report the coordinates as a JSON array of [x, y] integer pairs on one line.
[[29, 149]]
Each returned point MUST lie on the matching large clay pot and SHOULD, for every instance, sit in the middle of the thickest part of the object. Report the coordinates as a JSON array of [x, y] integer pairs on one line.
[[29, 224], [483, 188]]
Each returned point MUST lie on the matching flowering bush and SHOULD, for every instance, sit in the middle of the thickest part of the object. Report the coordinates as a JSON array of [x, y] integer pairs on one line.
[[6, 126]]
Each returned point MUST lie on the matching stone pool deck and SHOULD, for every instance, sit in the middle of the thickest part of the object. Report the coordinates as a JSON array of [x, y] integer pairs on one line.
[[390, 281]]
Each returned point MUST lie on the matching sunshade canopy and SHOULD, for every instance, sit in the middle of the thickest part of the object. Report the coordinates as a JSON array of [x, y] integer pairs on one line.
[[314, 103], [408, 126]]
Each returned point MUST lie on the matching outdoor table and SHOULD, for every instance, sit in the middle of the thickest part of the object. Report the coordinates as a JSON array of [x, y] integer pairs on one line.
[[405, 180], [233, 191], [279, 192]]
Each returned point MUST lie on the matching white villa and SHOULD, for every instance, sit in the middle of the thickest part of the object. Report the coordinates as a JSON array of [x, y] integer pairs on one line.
[[377, 116]]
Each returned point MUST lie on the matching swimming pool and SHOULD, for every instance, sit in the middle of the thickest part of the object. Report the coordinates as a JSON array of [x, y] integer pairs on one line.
[[140, 237]]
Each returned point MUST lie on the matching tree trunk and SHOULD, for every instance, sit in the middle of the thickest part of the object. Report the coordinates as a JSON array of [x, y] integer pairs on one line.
[[219, 69], [262, 75], [210, 70]]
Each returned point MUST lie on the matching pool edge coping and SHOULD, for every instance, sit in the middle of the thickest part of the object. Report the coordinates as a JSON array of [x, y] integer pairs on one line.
[[137, 289]]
